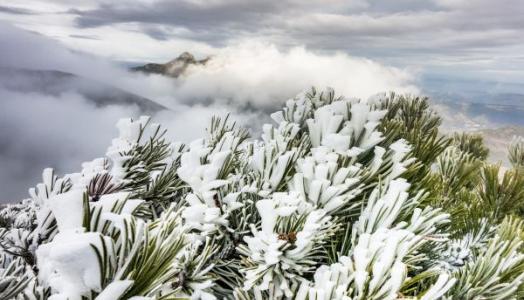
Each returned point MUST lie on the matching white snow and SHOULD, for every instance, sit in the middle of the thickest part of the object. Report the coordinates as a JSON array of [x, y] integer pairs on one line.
[[68, 209], [69, 264], [115, 290]]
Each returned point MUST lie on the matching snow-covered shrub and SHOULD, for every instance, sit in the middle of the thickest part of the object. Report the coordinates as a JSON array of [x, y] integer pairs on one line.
[[339, 199], [516, 152], [472, 143]]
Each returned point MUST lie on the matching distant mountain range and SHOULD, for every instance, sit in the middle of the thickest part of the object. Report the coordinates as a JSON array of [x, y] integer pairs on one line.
[[173, 68], [55, 83]]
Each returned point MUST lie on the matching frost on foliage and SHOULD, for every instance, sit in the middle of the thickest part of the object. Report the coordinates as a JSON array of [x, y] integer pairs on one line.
[[323, 183], [296, 111], [281, 251], [129, 134], [19, 215], [273, 157], [375, 269], [493, 270], [457, 252], [115, 290], [516, 152], [489, 276], [205, 169], [89, 170], [392, 207], [203, 178], [69, 265], [70, 244], [300, 108], [387, 238], [317, 208], [13, 278], [111, 247], [345, 127]]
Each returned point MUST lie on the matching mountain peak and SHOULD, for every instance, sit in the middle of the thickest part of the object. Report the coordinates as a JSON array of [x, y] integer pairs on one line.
[[173, 68], [186, 56]]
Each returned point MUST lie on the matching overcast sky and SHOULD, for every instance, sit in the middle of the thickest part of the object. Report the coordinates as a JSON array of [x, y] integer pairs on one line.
[[456, 38]]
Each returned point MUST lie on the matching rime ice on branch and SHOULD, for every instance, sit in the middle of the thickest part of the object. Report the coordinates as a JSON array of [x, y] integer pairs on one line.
[[339, 199]]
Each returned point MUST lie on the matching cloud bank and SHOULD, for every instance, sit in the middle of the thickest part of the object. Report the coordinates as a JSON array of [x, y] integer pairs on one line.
[[263, 76]]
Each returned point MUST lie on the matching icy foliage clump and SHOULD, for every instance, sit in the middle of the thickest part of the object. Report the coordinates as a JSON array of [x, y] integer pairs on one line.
[[332, 202]]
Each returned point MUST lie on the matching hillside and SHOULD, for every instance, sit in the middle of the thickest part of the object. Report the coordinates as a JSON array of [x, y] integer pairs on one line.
[[54, 83]]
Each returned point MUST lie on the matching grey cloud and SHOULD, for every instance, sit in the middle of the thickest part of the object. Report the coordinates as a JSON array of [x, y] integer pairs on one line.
[[31, 50], [400, 6], [198, 16], [86, 37], [157, 32], [214, 22], [16, 10], [39, 131], [378, 29]]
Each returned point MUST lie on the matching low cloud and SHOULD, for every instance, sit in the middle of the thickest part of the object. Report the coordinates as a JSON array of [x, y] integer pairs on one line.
[[260, 75], [61, 131], [39, 131]]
